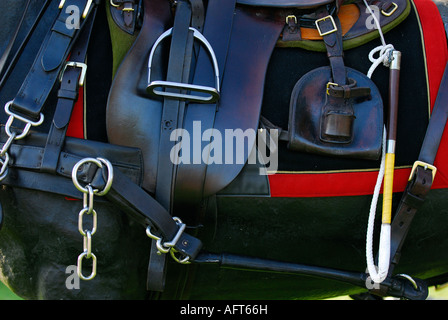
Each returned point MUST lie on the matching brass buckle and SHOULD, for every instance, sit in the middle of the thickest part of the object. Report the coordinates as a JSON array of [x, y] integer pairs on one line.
[[329, 31], [330, 84], [86, 9], [291, 17], [426, 166], [391, 12], [73, 64], [113, 4]]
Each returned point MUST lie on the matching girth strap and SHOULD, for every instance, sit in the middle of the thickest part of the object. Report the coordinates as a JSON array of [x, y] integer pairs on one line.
[[50, 59]]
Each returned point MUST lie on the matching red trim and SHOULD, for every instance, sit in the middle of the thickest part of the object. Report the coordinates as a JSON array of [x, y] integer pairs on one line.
[[363, 183], [76, 125]]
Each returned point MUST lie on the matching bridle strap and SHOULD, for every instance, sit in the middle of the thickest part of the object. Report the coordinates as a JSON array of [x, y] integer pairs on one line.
[[50, 60]]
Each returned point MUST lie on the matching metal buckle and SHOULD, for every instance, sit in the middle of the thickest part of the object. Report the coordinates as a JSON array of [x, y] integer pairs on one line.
[[73, 64], [391, 12], [291, 17], [168, 245], [28, 123], [426, 166], [113, 4], [86, 9], [330, 84], [335, 28]]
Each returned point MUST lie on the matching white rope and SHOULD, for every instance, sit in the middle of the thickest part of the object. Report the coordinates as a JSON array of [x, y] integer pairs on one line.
[[378, 274], [384, 50]]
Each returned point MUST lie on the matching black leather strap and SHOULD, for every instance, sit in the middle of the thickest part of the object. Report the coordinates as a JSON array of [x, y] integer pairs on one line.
[[125, 190], [220, 28], [172, 116], [49, 61], [67, 97], [421, 181]]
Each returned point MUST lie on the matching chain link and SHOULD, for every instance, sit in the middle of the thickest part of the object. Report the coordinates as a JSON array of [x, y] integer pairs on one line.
[[88, 203], [12, 135]]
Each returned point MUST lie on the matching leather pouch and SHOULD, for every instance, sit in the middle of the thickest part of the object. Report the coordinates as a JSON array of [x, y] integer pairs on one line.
[[336, 123]]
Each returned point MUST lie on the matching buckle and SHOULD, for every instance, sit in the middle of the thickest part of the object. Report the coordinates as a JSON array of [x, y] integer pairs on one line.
[[86, 9], [391, 12], [293, 17], [113, 4], [330, 84], [168, 246], [73, 64], [426, 166], [329, 31]]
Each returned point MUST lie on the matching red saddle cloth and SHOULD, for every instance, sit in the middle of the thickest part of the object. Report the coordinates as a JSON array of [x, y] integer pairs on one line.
[[353, 183]]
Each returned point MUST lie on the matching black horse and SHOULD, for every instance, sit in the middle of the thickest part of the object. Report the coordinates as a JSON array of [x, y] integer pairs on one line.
[[298, 232]]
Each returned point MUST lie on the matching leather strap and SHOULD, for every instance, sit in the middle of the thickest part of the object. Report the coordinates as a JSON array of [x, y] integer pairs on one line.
[[172, 116], [422, 178], [420, 181], [49, 61], [124, 192], [214, 27], [67, 97], [13, 61]]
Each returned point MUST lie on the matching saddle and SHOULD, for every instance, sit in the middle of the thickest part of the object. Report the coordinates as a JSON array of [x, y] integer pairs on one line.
[[224, 91], [208, 78]]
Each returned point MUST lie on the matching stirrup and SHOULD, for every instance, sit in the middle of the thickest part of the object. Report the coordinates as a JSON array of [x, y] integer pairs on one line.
[[213, 93]]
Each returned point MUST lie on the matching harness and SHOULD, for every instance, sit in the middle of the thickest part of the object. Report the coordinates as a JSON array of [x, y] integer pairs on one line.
[[218, 57]]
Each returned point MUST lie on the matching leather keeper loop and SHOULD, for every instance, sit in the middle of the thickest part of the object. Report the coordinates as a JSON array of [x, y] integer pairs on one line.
[[68, 94]]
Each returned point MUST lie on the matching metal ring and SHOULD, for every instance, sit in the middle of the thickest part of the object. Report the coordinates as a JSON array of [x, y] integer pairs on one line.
[[411, 280], [87, 244], [110, 177], [113, 4], [28, 122], [150, 234], [161, 247], [75, 171], [80, 222], [79, 268], [185, 260], [98, 162], [4, 163]]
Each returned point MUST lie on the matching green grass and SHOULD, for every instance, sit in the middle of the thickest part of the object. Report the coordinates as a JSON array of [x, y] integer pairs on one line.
[[6, 294]]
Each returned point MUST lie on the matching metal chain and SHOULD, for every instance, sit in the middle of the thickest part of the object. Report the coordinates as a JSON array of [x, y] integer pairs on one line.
[[88, 202], [12, 135]]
